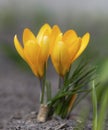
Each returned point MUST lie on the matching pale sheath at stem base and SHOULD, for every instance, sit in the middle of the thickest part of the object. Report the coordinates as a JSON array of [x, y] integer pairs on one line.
[[43, 113]]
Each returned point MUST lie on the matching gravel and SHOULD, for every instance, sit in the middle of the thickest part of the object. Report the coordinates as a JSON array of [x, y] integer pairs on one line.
[[29, 122]]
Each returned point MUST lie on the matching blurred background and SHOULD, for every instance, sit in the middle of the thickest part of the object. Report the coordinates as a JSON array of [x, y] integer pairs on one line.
[[18, 87]]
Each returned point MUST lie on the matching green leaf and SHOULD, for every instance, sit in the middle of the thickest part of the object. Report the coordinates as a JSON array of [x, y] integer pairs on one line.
[[77, 82], [94, 101], [48, 91], [103, 111]]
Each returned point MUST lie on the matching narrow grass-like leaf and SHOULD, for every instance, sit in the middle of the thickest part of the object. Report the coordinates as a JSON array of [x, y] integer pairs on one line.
[[75, 82], [94, 101], [103, 111]]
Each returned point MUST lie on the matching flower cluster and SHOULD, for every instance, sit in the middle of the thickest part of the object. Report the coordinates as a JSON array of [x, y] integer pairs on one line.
[[63, 49]]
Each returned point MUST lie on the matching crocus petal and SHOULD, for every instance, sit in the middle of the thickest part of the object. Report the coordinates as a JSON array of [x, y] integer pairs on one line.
[[73, 50], [56, 35], [60, 58], [31, 52], [44, 50], [55, 32], [43, 56], [18, 47], [84, 43], [28, 35], [69, 37], [45, 30]]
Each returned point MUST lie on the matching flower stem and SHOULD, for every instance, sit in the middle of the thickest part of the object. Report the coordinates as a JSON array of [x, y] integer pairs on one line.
[[61, 81], [42, 85], [43, 110], [42, 91]]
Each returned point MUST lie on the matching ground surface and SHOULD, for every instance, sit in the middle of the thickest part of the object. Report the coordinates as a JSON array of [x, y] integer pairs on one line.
[[29, 122]]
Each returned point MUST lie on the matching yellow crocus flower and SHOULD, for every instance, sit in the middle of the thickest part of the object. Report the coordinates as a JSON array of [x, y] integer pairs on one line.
[[35, 50], [65, 48]]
